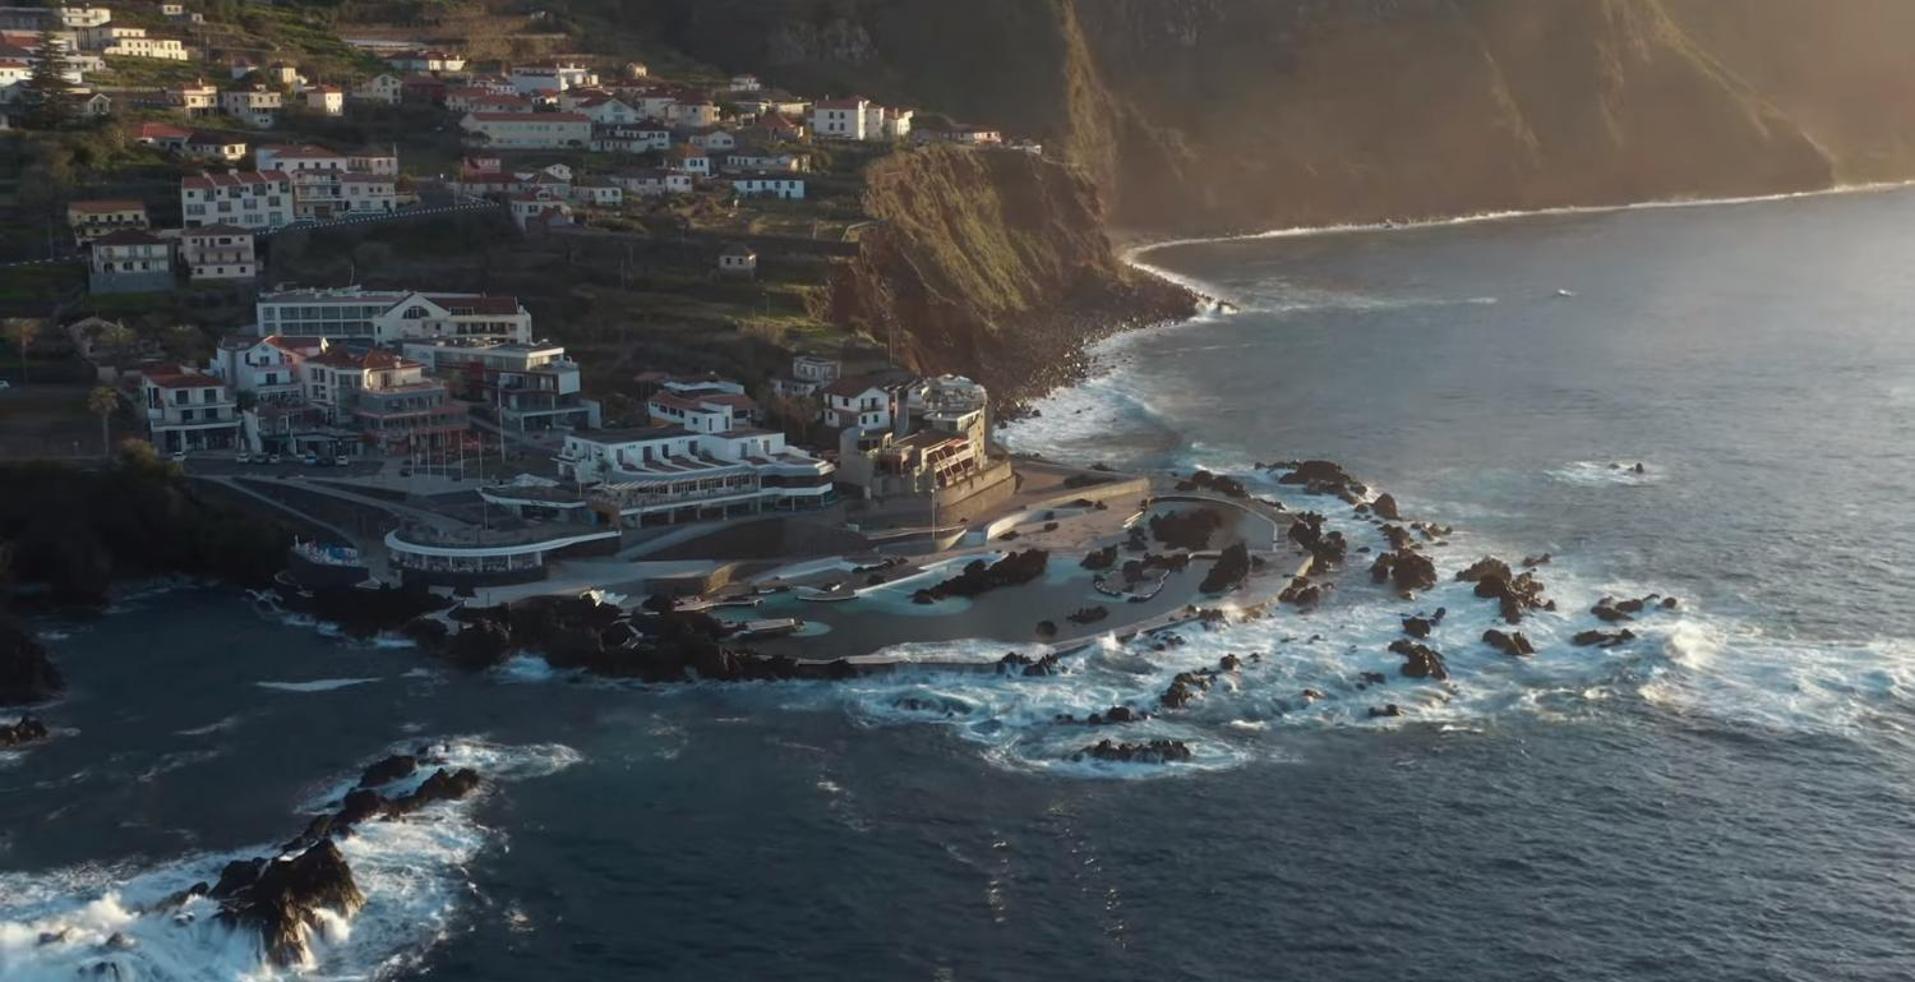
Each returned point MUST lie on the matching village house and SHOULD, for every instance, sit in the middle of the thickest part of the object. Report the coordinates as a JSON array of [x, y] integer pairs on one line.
[[692, 114], [809, 373], [759, 159], [774, 126], [256, 106], [653, 182], [251, 199], [712, 139], [702, 409], [652, 103], [664, 475], [738, 259], [770, 102], [643, 138], [690, 160], [199, 99], [769, 186], [165, 136], [602, 108], [597, 191], [326, 184], [864, 402], [218, 252], [528, 131], [283, 74], [538, 209], [326, 100], [932, 441], [240, 66], [839, 119], [130, 260], [389, 317], [428, 60], [13, 73], [95, 104], [188, 410], [528, 386], [216, 146], [266, 367], [473, 98], [382, 88], [422, 90], [92, 219], [938, 130], [549, 80], [385, 398], [118, 41], [881, 123], [489, 184], [746, 83]]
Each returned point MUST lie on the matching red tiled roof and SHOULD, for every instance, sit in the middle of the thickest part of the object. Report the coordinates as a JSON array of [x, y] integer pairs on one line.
[[105, 207], [492, 117], [129, 236], [161, 131], [235, 179], [181, 380], [298, 151], [374, 359]]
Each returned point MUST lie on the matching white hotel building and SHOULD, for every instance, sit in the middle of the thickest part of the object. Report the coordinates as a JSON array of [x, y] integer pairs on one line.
[[663, 475], [252, 200], [390, 317]]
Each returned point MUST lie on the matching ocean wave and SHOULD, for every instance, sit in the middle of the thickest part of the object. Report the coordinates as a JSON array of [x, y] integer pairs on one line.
[[94, 921], [1600, 473], [316, 685]]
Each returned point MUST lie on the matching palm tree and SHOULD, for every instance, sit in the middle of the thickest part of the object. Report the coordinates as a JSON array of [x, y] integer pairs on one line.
[[21, 331], [101, 402]]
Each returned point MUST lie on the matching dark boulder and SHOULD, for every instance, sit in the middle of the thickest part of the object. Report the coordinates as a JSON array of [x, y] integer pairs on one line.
[[1152, 752], [1100, 559], [27, 674], [1229, 571], [479, 646], [1485, 568], [1090, 615], [443, 785], [980, 577], [1385, 507], [1379, 712], [1420, 661], [1407, 570], [389, 770], [1514, 644], [27, 730], [1187, 529], [282, 904], [1602, 639]]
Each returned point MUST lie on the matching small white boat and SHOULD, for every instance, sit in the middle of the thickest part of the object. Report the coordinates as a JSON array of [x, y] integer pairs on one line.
[[1565, 294]]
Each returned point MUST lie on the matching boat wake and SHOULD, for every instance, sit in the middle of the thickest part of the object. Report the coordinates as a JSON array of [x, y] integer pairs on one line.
[[108, 921]]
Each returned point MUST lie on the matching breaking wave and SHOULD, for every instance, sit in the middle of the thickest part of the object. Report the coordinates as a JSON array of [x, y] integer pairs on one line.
[[95, 921]]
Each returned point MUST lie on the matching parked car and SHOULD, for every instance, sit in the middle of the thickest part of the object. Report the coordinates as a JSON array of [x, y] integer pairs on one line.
[[5, 385], [179, 455], [242, 457], [310, 460], [272, 458], [340, 460]]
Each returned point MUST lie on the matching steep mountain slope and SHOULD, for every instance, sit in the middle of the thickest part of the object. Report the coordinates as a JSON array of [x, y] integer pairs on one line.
[[1207, 115]]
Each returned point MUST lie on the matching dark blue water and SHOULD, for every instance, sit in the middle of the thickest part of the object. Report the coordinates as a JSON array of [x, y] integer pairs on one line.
[[1729, 797]]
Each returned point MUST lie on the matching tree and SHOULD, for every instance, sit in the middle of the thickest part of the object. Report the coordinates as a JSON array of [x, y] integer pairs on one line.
[[20, 332], [102, 402], [47, 94]]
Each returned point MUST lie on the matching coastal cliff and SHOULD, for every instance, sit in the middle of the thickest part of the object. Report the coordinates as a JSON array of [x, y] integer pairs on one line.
[[1229, 115], [994, 265]]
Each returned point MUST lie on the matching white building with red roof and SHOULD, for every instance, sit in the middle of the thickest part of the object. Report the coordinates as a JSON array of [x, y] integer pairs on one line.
[[528, 130], [256, 200], [187, 409], [213, 253], [389, 317], [130, 260]]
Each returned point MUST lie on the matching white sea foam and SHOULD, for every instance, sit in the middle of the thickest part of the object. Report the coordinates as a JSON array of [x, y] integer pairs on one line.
[[1600, 473], [315, 685], [60, 925]]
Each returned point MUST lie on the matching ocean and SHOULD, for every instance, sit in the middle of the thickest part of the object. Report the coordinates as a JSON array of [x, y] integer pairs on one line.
[[1729, 796]]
